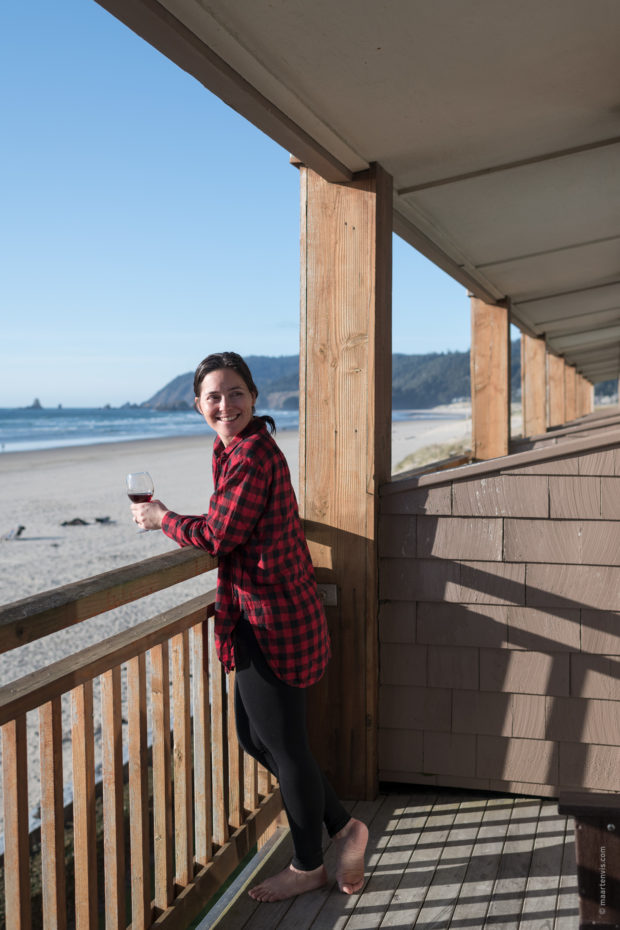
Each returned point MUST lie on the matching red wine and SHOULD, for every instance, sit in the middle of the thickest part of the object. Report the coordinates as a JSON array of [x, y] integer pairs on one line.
[[140, 498]]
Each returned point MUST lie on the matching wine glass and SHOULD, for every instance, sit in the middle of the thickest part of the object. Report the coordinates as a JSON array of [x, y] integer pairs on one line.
[[140, 489]]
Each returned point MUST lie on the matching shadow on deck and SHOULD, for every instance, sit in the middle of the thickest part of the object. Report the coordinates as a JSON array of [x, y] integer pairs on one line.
[[438, 858]]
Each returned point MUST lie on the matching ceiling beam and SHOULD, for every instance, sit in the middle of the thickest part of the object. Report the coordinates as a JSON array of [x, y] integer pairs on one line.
[[150, 20], [521, 324], [594, 356], [560, 325], [408, 231], [605, 334], [534, 298], [554, 251], [601, 372], [582, 328], [595, 377], [508, 166]]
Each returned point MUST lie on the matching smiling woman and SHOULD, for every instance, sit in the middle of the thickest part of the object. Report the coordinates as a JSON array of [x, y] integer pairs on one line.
[[225, 394], [225, 397], [225, 403], [269, 621]]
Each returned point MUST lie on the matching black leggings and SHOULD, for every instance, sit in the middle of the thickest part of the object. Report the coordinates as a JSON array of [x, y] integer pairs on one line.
[[271, 726]]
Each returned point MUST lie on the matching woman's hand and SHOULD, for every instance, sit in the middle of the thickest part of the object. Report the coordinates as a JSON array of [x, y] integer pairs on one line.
[[148, 516]]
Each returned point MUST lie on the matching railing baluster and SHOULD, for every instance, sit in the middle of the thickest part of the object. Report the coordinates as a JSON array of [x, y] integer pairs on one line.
[[250, 789], [183, 820], [219, 739], [235, 762], [202, 744], [52, 817], [138, 794], [207, 820], [162, 779], [84, 827], [16, 840], [264, 781], [113, 813]]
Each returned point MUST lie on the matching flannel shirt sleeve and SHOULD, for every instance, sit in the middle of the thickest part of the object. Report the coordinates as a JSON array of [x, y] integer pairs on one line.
[[234, 510]]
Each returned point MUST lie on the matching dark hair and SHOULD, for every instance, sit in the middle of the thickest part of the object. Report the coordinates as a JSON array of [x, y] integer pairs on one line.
[[219, 360]]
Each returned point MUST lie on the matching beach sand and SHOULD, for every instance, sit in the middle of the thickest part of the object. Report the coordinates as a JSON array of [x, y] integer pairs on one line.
[[42, 489]]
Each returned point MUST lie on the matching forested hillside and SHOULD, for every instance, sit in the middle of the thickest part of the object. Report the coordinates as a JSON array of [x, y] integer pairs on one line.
[[418, 381]]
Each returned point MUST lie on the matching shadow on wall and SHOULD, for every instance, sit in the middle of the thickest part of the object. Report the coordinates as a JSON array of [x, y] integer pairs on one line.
[[522, 661]]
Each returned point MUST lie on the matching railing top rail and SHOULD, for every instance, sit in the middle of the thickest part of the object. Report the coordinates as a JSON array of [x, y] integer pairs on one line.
[[32, 617], [29, 619], [33, 690]]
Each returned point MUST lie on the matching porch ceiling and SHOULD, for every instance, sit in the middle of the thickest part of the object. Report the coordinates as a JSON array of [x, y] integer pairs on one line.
[[499, 121]]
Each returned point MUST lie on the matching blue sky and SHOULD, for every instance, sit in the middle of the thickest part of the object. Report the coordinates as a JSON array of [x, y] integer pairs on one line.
[[145, 224]]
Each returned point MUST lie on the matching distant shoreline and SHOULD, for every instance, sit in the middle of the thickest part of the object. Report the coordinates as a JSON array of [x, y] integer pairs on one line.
[[87, 427]]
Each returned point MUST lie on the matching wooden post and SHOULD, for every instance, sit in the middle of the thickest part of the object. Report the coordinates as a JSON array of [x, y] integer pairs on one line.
[[345, 445], [533, 385], [585, 394], [597, 851], [570, 392], [555, 383], [490, 380], [580, 395], [579, 399], [16, 838]]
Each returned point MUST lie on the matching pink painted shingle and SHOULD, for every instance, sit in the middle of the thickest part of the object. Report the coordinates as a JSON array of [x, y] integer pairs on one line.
[[543, 630], [492, 583], [453, 667], [443, 624], [460, 538], [482, 712], [502, 496], [574, 586], [436, 500], [591, 767], [524, 672], [413, 708], [574, 498], [600, 632], [397, 622], [532, 760]]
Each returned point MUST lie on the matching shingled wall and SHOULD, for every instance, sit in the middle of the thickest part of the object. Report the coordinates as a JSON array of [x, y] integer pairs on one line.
[[500, 622]]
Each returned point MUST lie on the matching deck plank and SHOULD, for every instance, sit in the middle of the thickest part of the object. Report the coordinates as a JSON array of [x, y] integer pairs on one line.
[[482, 870], [541, 890], [338, 908], [306, 910], [567, 906], [413, 882], [441, 858], [450, 826], [509, 888], [243, 911], [447, 882], [387, 861]]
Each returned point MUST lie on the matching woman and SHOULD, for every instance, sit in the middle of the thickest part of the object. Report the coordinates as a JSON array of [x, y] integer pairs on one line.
[[269, 621]]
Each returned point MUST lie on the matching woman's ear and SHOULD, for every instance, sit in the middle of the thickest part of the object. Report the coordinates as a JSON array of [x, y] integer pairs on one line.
[[197, 406]]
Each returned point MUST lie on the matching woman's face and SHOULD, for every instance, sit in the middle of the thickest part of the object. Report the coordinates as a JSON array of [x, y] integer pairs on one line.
[[225, 402]]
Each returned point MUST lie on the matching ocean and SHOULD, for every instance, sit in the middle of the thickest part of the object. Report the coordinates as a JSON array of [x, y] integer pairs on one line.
[[24, 429]]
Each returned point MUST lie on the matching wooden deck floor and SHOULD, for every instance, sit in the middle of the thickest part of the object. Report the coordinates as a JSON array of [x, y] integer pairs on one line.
[[442, 859]]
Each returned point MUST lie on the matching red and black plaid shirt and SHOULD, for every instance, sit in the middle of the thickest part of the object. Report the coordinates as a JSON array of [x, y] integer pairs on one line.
[[265, 570]]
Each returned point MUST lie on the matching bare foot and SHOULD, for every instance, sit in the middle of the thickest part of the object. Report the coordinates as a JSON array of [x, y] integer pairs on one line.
[[351, 845], [288, 884]]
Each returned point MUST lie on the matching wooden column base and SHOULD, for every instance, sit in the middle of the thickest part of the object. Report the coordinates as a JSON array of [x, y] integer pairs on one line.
[[597, 847]]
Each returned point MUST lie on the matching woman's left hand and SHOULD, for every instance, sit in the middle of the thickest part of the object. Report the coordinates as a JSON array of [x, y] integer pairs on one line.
[[149, 516]]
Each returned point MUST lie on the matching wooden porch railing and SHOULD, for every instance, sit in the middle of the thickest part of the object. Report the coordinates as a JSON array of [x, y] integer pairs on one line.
[[189, 806]]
